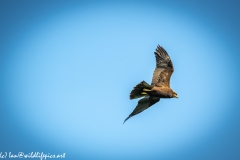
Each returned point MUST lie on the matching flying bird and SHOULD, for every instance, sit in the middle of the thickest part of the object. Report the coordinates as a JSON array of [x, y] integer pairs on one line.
[[160, 86]]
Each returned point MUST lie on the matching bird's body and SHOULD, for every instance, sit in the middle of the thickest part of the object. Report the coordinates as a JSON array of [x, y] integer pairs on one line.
[[160, 86]]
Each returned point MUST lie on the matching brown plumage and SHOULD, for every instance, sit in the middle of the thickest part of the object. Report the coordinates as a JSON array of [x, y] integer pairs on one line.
[[160, 86]]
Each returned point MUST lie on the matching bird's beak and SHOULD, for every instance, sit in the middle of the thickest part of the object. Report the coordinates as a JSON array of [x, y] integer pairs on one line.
[[176, 97]]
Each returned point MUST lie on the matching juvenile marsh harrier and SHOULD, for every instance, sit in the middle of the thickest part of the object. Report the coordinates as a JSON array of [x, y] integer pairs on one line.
[[160, 86]]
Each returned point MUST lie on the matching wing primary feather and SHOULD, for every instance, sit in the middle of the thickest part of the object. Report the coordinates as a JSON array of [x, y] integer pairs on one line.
[[162, 57]]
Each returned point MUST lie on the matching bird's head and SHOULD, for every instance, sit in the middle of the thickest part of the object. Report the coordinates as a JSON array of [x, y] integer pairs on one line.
[[175, 95]]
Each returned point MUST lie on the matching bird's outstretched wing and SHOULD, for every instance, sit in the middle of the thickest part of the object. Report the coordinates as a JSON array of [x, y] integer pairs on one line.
[[164, 68], [143, 104]]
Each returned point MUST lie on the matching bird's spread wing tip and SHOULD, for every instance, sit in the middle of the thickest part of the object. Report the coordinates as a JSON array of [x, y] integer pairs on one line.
[[127, 119]]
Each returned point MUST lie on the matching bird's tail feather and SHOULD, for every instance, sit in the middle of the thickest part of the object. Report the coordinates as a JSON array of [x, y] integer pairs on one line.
[[140, 90]]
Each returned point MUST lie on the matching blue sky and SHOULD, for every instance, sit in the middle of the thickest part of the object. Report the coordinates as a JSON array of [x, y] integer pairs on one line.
[[67, 68]]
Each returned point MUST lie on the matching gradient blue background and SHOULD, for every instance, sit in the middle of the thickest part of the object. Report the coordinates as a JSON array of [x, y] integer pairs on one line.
[[67, 68]]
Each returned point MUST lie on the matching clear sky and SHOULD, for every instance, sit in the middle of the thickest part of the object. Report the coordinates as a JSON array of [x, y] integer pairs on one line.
[[67, 68]]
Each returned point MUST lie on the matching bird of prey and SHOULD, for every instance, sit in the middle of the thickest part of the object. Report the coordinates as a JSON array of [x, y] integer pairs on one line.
[[160, 86]]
